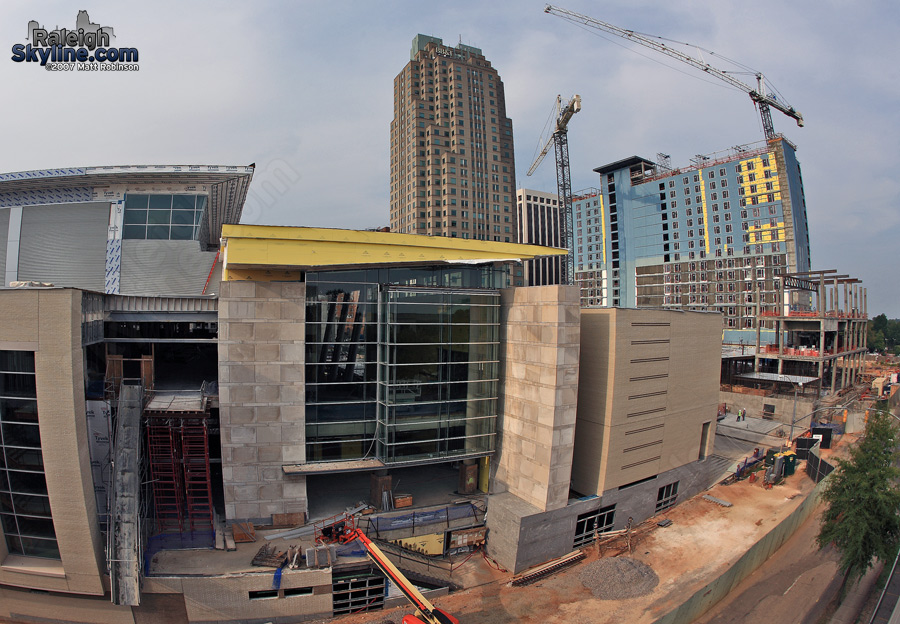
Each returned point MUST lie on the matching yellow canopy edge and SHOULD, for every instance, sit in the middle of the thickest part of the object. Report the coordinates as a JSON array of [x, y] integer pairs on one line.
[[249, 249]]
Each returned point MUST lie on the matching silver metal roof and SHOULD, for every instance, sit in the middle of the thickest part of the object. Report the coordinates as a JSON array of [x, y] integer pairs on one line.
[[228, 186]]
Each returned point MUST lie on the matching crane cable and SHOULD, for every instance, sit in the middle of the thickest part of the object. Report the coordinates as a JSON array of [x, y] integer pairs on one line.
[[544, 131]]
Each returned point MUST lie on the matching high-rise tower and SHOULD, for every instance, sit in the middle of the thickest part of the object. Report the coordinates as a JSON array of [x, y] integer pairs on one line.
[[540, 223], [452, 163]]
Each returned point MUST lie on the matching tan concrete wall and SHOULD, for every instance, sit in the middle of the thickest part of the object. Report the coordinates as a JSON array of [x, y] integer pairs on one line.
[[539, 383], [226, 598], [648, 382], [48, 322], [22, 605], [262, 397]]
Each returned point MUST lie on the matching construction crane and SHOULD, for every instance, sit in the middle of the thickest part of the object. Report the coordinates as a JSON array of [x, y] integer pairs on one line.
[[426, 613], [560, 140], [761, 99]]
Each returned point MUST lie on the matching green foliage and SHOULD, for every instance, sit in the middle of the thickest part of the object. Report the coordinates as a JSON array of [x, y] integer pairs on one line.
[[883, 334], [863, 500]]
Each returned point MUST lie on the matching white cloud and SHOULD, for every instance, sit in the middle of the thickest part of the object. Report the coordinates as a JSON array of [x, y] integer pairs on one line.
[[307, 87]]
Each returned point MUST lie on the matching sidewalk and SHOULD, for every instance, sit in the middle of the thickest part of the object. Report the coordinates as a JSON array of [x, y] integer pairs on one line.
[[856, 598]]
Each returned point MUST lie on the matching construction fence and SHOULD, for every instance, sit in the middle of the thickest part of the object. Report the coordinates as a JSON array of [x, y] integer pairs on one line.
[[713, 592]]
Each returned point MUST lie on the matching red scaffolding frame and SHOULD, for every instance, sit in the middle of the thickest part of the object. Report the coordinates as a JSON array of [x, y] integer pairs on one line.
[[178, 452]]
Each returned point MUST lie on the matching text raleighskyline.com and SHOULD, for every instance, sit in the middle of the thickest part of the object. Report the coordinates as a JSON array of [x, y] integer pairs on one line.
[[58, 46]]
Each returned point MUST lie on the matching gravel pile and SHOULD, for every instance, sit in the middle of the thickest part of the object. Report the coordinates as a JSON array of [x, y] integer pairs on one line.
[[616, 578]]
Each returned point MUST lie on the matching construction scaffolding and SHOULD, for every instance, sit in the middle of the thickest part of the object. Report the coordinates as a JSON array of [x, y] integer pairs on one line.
[[825, 338], [178, 457]]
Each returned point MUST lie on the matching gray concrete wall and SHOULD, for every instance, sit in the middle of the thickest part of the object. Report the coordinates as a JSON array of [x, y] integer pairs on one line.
[[639, 501], [784, 406], [262, 397], [227, 598], [539, 350], [521, 536]]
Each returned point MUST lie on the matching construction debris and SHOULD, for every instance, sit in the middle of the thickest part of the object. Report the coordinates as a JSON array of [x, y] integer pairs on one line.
[[270, 557], [243, 532], [294, 557], [315, 525], [321, 556], [624, 540], [539, 572], [717, 501]]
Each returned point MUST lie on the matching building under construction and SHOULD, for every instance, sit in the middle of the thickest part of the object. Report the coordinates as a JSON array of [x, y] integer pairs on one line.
[[173, 381], [713, 235]]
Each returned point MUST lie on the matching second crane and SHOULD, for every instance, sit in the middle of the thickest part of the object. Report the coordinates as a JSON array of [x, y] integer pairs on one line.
[[560, 140]]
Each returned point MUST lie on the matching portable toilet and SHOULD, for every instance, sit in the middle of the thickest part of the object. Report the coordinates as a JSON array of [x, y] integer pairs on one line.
[[790, 463]]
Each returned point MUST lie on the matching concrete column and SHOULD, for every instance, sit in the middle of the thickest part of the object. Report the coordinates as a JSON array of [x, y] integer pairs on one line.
[[262, 397], [540, 344], [833, 373], [756, 296]]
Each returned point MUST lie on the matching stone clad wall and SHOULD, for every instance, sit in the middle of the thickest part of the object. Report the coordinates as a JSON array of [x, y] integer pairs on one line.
[[262, 397], [48, 322], [539, 375]]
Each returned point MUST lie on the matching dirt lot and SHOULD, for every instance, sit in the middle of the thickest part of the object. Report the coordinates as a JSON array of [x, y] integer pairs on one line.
[[703, 541]]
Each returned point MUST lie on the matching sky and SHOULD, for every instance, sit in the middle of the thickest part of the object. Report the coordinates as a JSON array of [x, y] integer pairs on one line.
[[305, 90]]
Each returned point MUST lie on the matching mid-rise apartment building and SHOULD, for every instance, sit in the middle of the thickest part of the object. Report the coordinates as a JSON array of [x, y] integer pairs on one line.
[[711, 236], [541, 223], [452, 160]]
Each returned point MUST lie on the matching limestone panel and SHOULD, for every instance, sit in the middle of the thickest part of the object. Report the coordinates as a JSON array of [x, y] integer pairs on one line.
[[539, 373], [261, 395]]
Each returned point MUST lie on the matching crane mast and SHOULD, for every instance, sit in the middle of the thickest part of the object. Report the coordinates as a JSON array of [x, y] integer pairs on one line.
[[560, 141], [761, 99]]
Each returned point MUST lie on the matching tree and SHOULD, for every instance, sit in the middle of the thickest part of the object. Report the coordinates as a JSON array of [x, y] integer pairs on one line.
[[863, 500], [883, 333]]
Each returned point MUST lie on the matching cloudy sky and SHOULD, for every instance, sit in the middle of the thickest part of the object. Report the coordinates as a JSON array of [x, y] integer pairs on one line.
[[304, 90]]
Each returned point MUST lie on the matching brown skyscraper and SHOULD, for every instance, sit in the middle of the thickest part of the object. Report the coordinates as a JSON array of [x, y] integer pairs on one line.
[[452, 164]]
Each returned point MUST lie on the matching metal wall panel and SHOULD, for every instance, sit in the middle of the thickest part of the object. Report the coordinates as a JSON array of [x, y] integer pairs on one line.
[[4, 234], [65, 244], [163, 267]]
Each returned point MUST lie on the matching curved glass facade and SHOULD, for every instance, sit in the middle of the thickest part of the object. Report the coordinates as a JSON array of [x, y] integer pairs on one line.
[[24, 503]]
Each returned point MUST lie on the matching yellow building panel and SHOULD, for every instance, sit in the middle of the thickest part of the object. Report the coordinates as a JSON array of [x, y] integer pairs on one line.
[[767, 233], [703, 205], [430, 544], [603, 225], [269, 248]]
